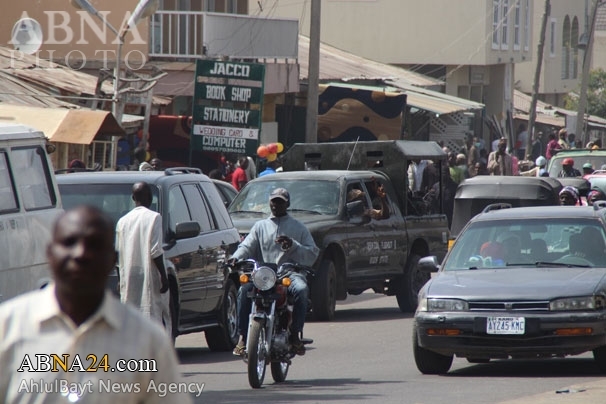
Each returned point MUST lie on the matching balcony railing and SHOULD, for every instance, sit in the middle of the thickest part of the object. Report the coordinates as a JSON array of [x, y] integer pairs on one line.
[[187, 35]]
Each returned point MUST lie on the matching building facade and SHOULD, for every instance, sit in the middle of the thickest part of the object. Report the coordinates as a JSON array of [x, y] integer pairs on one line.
[[482, 49]]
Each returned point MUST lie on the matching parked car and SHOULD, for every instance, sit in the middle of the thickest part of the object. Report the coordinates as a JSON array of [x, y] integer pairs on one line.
[[198, 236], [525, 282]]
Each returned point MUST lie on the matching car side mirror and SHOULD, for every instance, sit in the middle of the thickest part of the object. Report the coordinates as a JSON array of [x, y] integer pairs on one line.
[[429, 264], [355, 208], [187, 230]]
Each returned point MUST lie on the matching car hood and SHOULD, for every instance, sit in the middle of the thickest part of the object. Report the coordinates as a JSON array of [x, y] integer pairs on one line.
[[517, 283]]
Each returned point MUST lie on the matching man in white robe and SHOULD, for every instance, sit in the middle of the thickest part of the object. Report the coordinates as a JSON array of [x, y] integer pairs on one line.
[[143, 280]]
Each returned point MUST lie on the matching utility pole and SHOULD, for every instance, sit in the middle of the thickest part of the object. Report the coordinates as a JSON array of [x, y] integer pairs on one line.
[[313, 79], [580, 127], [537, 77]]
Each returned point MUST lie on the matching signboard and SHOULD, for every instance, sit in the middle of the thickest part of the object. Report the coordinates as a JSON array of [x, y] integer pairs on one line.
[[227, 110]]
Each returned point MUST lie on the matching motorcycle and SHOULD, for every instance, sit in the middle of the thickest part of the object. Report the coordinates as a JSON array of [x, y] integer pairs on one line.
[[268, 337]]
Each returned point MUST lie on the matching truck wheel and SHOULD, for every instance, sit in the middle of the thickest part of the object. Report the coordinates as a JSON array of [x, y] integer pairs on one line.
[[409, 285], [429, 362], [225, 337], [324, 292]]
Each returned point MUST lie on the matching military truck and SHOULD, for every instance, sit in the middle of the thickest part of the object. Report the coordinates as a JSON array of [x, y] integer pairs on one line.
[[358, 251]]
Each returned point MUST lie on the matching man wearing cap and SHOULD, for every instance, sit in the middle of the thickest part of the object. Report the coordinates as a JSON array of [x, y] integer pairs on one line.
[[568, 169], [279, 238], [587, 169]]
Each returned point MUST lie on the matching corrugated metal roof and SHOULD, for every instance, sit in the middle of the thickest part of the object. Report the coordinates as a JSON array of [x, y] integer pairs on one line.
[[336, 64], [16, 91], [549, 114], [551, 120], [52, 78], [420, 98], [434, 101]]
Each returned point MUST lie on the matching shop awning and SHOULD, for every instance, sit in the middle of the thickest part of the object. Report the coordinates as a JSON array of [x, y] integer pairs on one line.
[[79, 126]]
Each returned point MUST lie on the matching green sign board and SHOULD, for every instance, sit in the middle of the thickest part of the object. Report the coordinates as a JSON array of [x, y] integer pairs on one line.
[[227, 108]]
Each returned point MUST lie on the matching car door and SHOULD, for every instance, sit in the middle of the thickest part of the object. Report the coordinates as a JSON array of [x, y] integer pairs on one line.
[[188, 262], [389, 233], [209, 251], [362, 247]]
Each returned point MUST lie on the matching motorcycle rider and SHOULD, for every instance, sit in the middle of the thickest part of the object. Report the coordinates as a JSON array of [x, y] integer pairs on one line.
[[279, 238]]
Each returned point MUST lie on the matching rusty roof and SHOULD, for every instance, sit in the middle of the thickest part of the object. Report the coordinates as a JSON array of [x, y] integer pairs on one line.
[[336, 64], [50, 78]]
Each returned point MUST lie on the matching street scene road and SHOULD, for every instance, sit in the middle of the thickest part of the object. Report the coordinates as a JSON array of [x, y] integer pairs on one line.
[[365, 356]]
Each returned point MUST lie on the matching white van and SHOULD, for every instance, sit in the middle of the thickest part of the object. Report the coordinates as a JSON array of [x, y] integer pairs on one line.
[[29, 205]]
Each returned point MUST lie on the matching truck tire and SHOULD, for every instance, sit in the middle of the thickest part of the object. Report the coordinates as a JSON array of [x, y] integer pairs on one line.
[[409, 285], [225, 337], [428, 362], [324, 291]]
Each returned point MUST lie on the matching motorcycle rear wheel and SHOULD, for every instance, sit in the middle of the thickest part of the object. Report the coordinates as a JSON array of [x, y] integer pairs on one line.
[[279, 370], [256, 354]]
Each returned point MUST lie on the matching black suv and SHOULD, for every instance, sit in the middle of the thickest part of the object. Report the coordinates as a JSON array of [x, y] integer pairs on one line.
[[198, 234]]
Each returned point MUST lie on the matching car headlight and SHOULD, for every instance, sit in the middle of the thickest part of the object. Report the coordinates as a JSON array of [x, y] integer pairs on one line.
[[264, 278], [578, 303], [442, 305]]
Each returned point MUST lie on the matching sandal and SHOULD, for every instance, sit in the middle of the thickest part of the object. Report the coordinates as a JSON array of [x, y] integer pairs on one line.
[[240, 349]]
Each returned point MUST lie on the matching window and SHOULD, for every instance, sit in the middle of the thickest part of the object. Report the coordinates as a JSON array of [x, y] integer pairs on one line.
[[8, 198], [552, 37], [199, 210], [505, 26], [527, 25], [222, 218], [177, 209], [566, 51], [495, 23], [574, 45], [516, 26], [33, 178]]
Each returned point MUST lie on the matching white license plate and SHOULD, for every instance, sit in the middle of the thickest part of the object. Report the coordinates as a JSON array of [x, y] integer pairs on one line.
[[505, 325]]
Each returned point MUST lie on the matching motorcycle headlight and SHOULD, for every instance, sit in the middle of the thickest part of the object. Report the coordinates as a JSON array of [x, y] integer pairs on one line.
[[264, 278]]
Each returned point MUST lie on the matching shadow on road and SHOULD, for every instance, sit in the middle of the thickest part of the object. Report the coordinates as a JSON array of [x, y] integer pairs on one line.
[[195, 355], [566, 367], [293, 391], [345, 315]]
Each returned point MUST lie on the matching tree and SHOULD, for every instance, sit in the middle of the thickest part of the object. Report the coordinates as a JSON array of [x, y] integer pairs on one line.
[[596, 96]]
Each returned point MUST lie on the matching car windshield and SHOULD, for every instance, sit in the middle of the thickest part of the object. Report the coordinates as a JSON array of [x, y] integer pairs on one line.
[[570, 242], [596, 161], [307, 196], [113, 199]]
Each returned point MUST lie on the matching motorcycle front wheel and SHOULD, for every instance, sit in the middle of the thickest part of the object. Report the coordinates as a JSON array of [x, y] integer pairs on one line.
[[279, 370], [256, 354]]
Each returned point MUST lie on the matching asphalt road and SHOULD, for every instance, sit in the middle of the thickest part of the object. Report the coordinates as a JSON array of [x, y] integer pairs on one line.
[[365, 356]]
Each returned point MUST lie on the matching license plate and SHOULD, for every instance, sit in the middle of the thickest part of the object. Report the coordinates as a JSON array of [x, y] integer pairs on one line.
[[505, 325]]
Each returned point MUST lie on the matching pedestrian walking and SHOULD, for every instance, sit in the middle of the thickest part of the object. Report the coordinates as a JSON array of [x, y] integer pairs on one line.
[[143, 279]]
